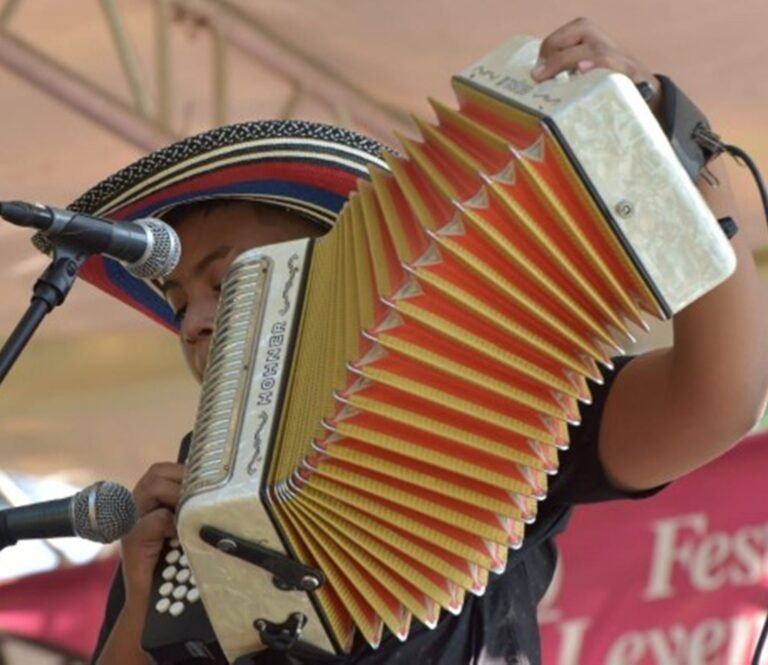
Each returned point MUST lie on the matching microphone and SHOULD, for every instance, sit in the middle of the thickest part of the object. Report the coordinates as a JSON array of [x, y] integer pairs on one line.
[[102, 512], [149, 248]]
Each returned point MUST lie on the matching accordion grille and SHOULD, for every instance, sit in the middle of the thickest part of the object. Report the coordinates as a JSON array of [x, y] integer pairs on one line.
[[219, 415]]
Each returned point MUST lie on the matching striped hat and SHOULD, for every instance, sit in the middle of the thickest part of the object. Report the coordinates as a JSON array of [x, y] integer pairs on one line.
[[307, 167]]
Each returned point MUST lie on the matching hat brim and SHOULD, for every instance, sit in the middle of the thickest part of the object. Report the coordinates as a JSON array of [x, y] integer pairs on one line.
[[306, 167]]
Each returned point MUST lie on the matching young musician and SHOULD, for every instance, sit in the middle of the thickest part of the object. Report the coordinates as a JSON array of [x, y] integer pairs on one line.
[[657, 416]]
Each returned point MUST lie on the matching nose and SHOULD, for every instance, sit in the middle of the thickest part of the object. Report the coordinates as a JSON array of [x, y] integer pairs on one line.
[[198, 320]]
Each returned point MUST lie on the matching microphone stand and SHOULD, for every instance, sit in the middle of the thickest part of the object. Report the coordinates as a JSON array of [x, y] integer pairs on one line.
[[49, 291]]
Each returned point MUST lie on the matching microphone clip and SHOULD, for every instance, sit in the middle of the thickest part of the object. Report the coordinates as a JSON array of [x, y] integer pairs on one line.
[[56, 282], [50, 291]]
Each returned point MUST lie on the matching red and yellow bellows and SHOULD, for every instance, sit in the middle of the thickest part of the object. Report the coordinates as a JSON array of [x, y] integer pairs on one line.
[[490, 288]]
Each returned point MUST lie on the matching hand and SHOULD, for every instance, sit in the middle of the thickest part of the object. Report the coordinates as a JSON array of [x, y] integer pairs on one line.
[[156, 495], [580, 46]]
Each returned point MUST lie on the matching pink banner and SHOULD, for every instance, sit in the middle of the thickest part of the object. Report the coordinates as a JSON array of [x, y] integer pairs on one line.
[[62, 609], [679, 579]]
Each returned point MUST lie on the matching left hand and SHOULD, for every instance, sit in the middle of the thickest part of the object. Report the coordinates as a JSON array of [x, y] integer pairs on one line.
[[580, 46]]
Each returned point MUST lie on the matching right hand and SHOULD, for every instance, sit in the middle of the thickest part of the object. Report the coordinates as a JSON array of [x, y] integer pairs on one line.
[[581, 45], [156, 495]]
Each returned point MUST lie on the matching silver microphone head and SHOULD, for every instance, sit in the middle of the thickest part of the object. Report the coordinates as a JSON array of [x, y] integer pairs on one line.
[[163, 250], [103, 512], [159, 259]]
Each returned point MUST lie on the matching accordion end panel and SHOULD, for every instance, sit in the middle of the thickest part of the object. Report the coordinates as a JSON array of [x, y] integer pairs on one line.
[[237, 418], [648, 197]]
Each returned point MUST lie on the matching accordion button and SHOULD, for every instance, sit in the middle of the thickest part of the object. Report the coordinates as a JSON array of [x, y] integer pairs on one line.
[[183, 561], [183, 576], [169, 572], [173, 556], [162, 605], [176, 609], [193, 595], [179, 592], [174, 542], [165, 589]]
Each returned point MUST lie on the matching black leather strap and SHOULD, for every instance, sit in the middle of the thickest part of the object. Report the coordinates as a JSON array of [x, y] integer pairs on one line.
[[687, 129], [729, 226]]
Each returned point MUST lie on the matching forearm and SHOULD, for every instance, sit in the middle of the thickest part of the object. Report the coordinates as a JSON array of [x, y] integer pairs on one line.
[[156, 495], [140, 550]]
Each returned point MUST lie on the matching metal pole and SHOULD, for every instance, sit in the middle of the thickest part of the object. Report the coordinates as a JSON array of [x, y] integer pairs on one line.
[[254, 38], [219, 71], [288, 109], [127, 58], [80, 94], [7, 12], [163, 63]]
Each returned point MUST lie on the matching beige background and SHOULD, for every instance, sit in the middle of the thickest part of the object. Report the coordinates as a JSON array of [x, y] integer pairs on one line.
[[101, 392]]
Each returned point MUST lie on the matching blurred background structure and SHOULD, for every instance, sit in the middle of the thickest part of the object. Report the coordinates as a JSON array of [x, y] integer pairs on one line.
[[87, 86]]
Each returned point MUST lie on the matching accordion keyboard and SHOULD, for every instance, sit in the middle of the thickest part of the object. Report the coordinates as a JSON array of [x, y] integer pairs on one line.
[[179, 588], [177, 626]]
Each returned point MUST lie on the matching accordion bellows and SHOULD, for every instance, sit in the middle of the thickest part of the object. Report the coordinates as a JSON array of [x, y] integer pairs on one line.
[[386, 404]]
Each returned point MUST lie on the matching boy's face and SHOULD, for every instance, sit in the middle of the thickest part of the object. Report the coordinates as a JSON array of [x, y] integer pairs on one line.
[[210, 241]]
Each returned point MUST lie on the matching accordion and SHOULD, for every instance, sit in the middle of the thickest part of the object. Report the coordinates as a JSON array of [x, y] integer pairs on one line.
[[383, 406]]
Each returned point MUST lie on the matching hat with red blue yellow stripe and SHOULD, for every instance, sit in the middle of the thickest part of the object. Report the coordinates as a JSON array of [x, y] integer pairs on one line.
[[306, 167]]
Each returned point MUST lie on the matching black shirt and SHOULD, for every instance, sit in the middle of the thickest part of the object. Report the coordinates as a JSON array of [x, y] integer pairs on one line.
[[500, 626]]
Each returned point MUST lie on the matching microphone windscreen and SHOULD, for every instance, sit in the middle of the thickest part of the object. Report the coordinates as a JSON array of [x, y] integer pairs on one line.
[[163, 251], [103, 512]]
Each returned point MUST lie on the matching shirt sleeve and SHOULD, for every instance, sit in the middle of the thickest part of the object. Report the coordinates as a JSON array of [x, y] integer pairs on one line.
[[581, 477]]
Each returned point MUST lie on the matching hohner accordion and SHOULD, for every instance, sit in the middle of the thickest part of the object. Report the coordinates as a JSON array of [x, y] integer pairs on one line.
[[383, 406]]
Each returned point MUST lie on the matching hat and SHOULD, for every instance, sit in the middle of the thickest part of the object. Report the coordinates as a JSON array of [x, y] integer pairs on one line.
[[307, 167]]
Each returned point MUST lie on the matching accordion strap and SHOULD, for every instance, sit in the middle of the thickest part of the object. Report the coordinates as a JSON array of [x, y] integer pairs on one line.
[[687, 129]]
